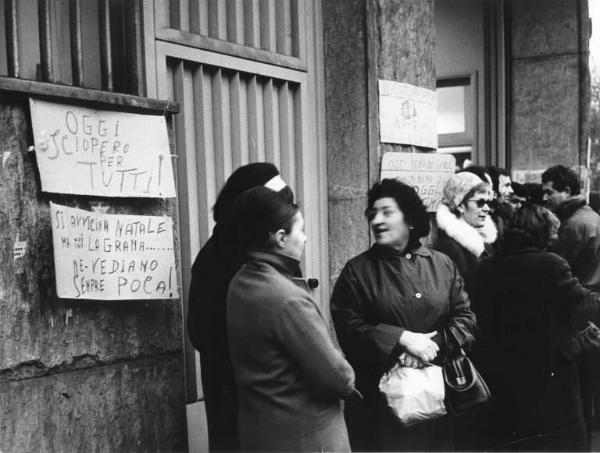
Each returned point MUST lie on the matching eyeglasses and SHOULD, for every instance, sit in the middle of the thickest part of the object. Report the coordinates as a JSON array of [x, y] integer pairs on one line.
[[480, 202]]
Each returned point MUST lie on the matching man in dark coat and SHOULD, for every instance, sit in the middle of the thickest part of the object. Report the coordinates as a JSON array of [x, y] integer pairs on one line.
[[579, 243]]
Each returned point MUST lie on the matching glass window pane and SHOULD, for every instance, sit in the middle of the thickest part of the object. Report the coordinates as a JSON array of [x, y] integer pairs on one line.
[[451, 110]]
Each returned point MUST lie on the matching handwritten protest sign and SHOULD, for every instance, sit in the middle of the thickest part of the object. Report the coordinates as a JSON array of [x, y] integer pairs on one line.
[[110, 257], [99, 152], [407, 114], [427, 173]]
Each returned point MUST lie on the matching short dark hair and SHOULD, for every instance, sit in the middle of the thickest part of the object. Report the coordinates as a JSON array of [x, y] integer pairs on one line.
[[495, 173], [260, 211], [243, 178], [408, 202], [562, 178], [531, 225]]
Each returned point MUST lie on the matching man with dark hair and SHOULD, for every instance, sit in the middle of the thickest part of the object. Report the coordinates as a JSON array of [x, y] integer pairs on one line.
[[501, 184], [579, 244]]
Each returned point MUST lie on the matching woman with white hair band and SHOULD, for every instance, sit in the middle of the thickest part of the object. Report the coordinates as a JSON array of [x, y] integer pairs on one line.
[[466, 231]]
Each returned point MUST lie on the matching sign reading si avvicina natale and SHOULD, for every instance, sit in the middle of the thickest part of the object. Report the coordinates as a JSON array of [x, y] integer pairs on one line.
[[112, 257], [99, 152]]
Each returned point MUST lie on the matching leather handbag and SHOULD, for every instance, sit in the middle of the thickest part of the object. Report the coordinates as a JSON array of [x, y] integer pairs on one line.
[[465, 388]]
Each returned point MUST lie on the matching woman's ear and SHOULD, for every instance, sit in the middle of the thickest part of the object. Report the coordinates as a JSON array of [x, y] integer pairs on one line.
[[280, 237]]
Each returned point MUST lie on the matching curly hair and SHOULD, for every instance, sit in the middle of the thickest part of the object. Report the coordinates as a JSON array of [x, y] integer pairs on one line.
[[531, 225], [408, 202], [562, 178]]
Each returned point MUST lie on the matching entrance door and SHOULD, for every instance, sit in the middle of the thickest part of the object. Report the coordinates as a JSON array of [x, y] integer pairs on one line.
[[247, 75]]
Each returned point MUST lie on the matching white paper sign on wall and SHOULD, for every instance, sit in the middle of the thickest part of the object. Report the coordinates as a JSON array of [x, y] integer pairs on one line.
[[407, 114], [99, 152], [426, 172], [112, 257]]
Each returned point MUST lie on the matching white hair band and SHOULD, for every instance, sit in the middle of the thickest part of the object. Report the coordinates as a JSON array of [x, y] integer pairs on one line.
[[275, 183]]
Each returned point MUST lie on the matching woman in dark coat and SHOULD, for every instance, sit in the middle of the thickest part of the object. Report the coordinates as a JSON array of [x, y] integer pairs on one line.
[[290, 374], [465, 230], [216, 263], [526, 299], [391, 304]]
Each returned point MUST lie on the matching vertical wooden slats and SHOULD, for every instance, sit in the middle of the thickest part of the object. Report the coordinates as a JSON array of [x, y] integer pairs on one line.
[[252, 23], [297, 23], [267, 25], [199, 17], [235, 120], [284, 133], [218, 127], [283, 27], [134, 42], [253, 124], [76, 42], [235, 21], [44, 17], [298, 141], [106, 58], [12, 37]]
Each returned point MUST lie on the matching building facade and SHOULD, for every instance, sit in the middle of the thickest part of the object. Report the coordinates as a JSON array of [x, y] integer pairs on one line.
[[293, 82]]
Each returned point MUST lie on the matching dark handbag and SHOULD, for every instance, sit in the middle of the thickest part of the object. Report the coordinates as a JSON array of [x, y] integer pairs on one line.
[[465, 388]]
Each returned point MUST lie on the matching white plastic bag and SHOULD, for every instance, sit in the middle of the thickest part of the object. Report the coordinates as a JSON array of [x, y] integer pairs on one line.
[[414, 394]]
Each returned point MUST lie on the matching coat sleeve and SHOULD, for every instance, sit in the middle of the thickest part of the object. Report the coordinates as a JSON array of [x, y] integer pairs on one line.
[[305, 335], [366, 342], [585, 304], [461, 320]]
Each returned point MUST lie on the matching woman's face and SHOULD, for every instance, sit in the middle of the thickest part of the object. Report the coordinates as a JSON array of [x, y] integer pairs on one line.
[[293, 242], [476, 209], [387, 224]]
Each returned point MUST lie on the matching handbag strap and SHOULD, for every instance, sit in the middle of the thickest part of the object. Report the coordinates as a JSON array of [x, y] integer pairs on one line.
[[450, 339]]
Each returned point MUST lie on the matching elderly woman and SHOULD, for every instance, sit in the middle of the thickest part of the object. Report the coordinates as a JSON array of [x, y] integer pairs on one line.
[[392, 303], [525, 299], [465, 230], [290, 374]]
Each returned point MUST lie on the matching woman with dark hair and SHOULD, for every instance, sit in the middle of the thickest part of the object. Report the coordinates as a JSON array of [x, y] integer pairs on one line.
[[465, 230], [216, 263], [392, 304], [289, 371], [526, 299]]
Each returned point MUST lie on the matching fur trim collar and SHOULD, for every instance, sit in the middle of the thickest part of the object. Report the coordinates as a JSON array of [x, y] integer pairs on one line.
[[472, 239]]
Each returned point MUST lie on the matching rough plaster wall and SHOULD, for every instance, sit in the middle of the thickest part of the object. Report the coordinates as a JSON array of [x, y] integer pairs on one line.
[[45, 341], [546, 87], [365, 40]]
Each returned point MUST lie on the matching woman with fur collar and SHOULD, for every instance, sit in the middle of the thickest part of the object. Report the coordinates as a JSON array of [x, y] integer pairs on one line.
[[465, 230]]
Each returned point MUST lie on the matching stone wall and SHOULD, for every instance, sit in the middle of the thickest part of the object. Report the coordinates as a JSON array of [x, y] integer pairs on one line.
[[76, 375]]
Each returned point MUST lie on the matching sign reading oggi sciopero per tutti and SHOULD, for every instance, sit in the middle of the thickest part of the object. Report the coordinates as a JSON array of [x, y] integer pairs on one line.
[[99, 152], [112, 257]]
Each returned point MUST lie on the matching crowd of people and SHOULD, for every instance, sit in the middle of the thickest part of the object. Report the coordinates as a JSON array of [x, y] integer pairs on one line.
[[509, 273]]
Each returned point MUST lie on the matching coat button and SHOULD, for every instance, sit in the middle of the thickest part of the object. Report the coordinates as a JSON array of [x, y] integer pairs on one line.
[[418, 295], [408, 256]]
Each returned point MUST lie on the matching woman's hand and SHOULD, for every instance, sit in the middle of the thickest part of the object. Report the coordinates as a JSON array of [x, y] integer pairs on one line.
[[420, 345], [408, 360]]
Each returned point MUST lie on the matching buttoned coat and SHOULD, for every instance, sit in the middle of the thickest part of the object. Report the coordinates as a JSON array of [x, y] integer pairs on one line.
[[290, 374], [379, 294]]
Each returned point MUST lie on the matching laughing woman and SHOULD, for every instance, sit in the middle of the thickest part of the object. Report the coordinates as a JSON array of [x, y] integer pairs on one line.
[[391, 304]]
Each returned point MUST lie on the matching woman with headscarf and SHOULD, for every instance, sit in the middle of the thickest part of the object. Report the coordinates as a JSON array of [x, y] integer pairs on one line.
[[465, 230], [393, 304], [290, 374], [216, 263]]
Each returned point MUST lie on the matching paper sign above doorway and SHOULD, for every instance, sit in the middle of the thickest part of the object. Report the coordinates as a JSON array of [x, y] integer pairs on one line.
[[112, 257], [426, 172], [99, 152], [407, 114]]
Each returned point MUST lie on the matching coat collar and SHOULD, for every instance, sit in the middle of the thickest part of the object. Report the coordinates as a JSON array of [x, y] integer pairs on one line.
[[567, 208], [284, 264], [472, 239]]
